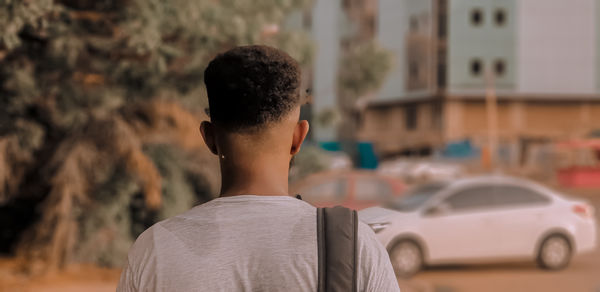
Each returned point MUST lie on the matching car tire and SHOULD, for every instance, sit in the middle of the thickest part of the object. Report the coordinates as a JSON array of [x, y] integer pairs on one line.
[[554, 252], [407, 258]]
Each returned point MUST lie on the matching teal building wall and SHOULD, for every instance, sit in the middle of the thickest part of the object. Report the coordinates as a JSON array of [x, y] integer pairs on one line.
[[391, 27], [487, 42]]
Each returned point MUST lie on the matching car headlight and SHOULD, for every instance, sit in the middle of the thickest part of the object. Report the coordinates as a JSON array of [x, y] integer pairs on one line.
[[377, 227]]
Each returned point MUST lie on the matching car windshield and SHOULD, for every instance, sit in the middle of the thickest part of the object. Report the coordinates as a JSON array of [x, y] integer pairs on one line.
[[415, 198]]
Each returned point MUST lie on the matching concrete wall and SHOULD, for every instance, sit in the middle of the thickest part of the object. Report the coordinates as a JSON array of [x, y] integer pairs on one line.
[[419, 42], [557, 46], [386, 127], [325, 32], [549, 46], [466, 119], [488, 42], [391, 27], [522, 119]]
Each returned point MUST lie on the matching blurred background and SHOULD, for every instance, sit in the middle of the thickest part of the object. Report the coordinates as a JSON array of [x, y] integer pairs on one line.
[[100, 103]]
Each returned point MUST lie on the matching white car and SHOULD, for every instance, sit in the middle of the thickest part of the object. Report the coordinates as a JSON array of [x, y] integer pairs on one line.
[[482, 219]]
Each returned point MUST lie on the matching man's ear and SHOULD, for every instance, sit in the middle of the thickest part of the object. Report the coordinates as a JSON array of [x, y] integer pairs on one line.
[[300, 132], [207, 129]]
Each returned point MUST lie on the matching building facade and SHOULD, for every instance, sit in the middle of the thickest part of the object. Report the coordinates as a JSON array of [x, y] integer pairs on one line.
[[543, 73]]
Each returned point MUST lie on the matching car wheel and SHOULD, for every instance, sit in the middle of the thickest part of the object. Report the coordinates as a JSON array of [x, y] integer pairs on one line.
[[406, 258], [554, 253]]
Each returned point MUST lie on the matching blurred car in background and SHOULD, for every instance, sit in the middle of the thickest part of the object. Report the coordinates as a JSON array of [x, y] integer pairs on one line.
[[482, 219], [351, 189]]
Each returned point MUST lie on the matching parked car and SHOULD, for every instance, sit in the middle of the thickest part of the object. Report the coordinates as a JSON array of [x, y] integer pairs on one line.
[[420, 171], [482, 219], [352, 189]]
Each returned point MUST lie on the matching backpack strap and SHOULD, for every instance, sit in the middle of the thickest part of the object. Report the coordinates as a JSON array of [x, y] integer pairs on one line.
[[337, 230]]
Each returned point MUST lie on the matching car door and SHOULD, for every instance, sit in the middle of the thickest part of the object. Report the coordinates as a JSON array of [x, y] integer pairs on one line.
[[459, 226], [522, 213]]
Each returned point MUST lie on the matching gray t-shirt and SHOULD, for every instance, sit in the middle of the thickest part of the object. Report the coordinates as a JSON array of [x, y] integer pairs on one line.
[[244, 243]]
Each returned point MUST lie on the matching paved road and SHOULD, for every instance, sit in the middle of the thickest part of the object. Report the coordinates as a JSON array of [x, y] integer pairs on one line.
[[583, 274]]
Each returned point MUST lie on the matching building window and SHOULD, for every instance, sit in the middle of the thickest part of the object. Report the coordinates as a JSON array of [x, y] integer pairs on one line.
[[441, 75], [500, 17], [346, 4], [414, 23], [476, 67], [436, 115], [442, 19], [476, 17], [413, 69], [410, 115], [441, 67], [499, 67]]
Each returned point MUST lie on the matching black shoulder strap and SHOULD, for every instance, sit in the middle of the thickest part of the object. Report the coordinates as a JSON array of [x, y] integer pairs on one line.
[[337, 230]]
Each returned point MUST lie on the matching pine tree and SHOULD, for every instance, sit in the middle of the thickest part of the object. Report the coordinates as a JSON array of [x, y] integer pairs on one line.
[[99, 107]]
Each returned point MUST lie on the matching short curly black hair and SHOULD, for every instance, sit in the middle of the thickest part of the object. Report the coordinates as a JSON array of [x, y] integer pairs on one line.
[[251, 86]]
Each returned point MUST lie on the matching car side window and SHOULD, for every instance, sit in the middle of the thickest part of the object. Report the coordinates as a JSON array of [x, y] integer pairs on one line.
[[371, 189], [507, 195], [472, 198], [330, 191]]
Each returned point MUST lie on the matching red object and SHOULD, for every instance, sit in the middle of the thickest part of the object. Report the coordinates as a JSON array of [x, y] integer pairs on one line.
[[587, 143], [583, 210], [579, 176], [349, 196]]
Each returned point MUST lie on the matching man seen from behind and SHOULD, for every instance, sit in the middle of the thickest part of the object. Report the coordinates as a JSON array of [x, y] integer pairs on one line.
[[254, 236]]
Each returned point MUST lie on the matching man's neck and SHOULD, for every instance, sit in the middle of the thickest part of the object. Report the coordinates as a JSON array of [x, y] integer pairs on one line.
[[263, 178]]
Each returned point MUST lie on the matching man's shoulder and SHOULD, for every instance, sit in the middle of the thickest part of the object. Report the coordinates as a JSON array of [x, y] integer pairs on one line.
[[242, 203], [144, 242], [149, 242], [202, 215], [367, 239]]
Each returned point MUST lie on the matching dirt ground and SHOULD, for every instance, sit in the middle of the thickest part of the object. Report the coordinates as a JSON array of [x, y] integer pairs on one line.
[[75, 278], [582, 275]]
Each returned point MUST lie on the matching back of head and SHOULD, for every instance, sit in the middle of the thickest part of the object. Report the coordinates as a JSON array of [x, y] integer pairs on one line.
[[250, 87]]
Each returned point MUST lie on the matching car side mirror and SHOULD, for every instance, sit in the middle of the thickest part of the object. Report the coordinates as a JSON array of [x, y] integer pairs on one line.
[[437, 210]]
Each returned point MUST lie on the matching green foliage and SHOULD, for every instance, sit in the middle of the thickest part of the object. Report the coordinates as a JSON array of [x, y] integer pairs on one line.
[[109, 227], [17, 15], [76, 77], [363, 69], [178, 37], [178, 192], [101, 59], [106, 228], [311, 159], [328, 117]]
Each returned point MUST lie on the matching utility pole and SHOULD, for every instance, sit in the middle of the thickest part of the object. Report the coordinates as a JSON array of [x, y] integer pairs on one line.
[[491, 105]]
